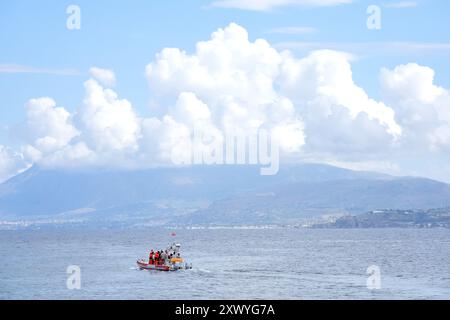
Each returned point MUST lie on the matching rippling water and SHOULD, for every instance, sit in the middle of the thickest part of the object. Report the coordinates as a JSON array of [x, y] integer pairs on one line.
[[228, 264]]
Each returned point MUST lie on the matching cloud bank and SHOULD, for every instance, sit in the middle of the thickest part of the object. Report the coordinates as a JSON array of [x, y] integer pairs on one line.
[[311, 105]]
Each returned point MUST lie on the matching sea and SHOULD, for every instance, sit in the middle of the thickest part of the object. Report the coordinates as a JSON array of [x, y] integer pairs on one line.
[[227, 263]]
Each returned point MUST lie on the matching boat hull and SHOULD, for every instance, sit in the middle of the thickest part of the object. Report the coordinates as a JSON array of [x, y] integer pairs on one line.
[[143, 265]]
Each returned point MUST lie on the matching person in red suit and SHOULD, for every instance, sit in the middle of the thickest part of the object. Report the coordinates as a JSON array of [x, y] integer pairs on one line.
[[150, 257]]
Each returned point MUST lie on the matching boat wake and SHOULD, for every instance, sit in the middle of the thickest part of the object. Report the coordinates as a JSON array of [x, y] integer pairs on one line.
[[200, 271]]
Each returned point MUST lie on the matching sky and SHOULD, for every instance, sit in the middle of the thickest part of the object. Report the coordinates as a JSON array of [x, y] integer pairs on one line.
[[123, 89]]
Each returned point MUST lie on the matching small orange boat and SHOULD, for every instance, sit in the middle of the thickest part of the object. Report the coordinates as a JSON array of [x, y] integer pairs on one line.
[[146, 266], [175, 263]]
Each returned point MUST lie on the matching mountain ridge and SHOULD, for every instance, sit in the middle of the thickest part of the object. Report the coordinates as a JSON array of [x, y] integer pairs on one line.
[[213, 194]]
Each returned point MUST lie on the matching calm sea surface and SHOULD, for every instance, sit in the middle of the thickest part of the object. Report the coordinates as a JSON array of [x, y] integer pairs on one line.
[[228, 264]]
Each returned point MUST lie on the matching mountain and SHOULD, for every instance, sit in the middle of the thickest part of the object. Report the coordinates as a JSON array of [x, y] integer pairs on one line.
[[290, 201], [212, 194]]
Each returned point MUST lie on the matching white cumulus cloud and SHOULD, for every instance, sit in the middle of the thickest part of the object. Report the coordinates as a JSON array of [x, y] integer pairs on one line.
[[105, 76], [47, 127], [229, 81], [247, 84], [231, 84], [107, 123], [340, 118], [423, 107]]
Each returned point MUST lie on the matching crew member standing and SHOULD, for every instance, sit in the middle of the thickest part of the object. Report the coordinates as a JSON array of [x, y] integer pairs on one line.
[[150, 257]]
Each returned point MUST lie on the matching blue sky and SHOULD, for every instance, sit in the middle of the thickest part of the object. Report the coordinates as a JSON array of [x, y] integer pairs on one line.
[[125, 37]]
